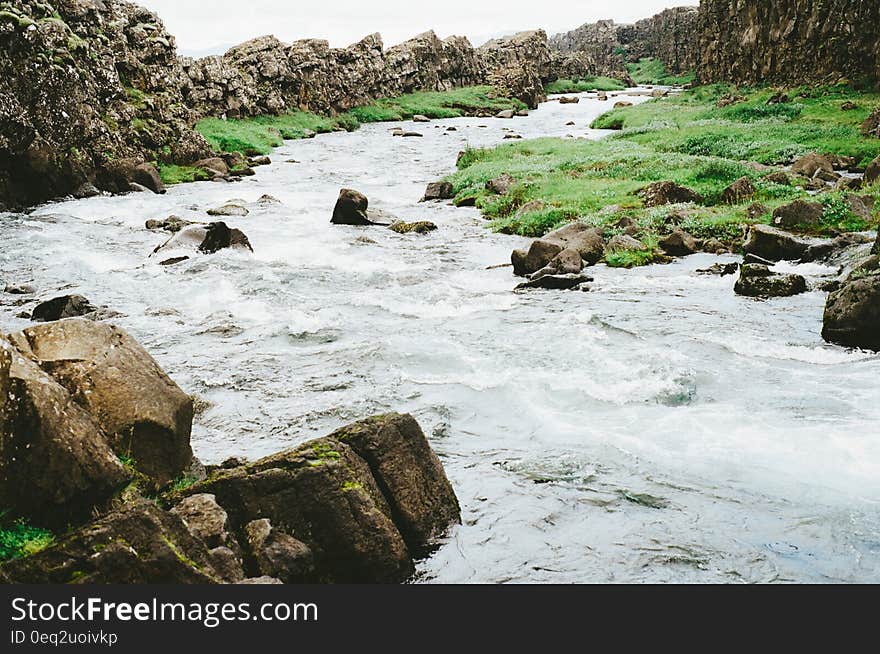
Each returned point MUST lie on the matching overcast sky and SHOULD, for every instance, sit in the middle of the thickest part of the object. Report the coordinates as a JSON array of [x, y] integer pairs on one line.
[[202, 27]]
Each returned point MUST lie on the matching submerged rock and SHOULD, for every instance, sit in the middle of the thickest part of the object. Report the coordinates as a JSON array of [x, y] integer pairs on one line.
[[229, 210], [556, 282], [423, 227], [172, 224], [206, 239]]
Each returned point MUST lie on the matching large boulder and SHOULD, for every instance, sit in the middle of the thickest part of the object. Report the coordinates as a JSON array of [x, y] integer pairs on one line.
[[410, 475], [539, 254], [206, 239], [588, 241], [678, 243], [775, 244], [660, 193], [438, 191], [872, 172], [351, 209], [324, 495], [567, 262], [812, 163], [56, 465], [65, 306], [740, 191], [799, 213], [145, 415], [138, 544], [759, 281], [852, 314]]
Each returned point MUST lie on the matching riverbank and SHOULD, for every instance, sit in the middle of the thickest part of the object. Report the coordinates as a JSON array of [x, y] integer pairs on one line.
[[706, 139]]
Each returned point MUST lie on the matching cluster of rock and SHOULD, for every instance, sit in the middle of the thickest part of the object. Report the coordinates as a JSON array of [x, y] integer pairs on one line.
[[788, 41], [604, 47], [266, 76], [94, 434], [89, 96]]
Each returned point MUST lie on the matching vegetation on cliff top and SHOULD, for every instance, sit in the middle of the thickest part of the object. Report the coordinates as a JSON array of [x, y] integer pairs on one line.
[[687, 139], [258, 135]]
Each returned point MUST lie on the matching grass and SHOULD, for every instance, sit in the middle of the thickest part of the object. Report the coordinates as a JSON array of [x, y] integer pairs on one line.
[[19, 539], [172, 174], [685, 138], [653, 71], [583, 85], [260, 134]]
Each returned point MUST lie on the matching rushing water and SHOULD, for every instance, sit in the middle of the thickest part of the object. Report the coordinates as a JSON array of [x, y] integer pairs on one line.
[[657, 428]]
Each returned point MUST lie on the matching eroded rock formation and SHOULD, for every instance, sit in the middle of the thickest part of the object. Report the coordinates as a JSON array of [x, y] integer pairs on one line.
[[91, 90]]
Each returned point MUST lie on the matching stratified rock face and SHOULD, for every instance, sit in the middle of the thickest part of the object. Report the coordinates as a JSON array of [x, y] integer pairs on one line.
[[603, 48], [266, 76], [788, 41], [86, 82]]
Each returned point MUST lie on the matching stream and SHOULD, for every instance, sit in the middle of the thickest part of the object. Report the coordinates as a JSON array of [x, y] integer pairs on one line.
[[656, 429]]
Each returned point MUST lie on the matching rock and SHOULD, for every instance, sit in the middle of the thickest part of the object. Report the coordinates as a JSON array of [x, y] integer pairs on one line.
[[775, 244], [569, 123], [144, 414], [740, 191], [501, 185], [205, 520], [852, 314], [872, 172], [622, 104], [533, 206], [798, 214], [588, 241], [278, 555], [512, 137], [714, 246], [729, 99], [825, 176], [778, 177], [65, 306], [871, 126], [624, 243], [439, 191], [779, 98], [206, 239], [173, 261], [227, 565], [720, 269], [506, 113], [659, 93], [660, 193], [407, 134], [325, 494], [255, 162], [556, 282], [56, 465], [858, 207], [678, 243], [351, 209], [242, 172], [214, 166], [759, 281], [418, 118], [810, 164], [138, 544], [229, 210], [539, 254], [423, 227], [172, 224], [86, 190], [569, 100], [262, 581], [19, 289], [522, 113], [567, 262], [849, 184], [849, 106], [756, 210]]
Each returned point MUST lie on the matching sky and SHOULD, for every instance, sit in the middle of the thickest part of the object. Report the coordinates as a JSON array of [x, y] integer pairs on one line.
[[211, 27]]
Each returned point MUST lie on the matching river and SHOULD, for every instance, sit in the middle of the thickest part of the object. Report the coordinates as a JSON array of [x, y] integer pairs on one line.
[[656, 429]]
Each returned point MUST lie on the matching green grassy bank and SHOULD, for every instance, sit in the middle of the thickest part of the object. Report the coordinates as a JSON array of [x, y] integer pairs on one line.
[[583, 85], [653, 71], [687, 139]]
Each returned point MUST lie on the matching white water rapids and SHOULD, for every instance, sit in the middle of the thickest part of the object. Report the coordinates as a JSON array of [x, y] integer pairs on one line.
[[656, 429]]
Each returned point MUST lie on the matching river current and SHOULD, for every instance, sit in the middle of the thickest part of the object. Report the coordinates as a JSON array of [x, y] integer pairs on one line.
[[656, 429]]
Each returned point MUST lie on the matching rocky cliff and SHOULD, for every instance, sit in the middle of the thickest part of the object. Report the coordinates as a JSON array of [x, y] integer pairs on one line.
[[789, 40], [96, 92], [267, 76], [603, 48]]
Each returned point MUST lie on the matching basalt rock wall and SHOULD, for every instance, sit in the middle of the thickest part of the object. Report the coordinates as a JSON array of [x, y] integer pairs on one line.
[[265, 75], [789, 41], [86, 84]]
